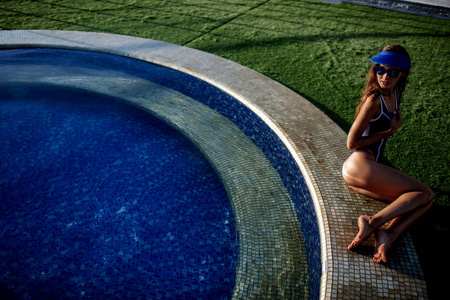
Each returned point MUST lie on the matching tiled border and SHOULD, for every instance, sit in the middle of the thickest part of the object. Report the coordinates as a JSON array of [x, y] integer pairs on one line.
[[316, 143]]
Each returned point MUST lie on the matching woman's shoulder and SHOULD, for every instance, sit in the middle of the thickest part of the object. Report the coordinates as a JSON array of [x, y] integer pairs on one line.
[[372, 99]]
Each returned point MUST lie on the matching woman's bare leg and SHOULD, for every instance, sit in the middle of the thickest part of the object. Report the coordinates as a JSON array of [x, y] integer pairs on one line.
[[385, 238], [411, 199]]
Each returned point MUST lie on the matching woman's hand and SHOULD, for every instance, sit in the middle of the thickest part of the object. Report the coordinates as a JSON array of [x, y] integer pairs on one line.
[[397, 121]]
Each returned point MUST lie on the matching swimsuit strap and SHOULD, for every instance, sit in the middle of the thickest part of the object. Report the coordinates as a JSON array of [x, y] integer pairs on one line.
[[396, 97], [384, 107]]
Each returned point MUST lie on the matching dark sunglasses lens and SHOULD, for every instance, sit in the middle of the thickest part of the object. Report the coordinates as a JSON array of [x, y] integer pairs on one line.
[[392, 72], [380, 70]]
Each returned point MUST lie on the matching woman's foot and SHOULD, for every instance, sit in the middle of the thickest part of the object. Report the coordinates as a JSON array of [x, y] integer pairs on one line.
[[365, 231], [383, 242]]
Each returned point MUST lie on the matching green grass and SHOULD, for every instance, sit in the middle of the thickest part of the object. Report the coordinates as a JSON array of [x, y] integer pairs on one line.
[[318, 49]]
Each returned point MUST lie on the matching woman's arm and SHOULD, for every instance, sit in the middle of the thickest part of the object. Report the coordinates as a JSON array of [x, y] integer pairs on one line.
[[369, 109]]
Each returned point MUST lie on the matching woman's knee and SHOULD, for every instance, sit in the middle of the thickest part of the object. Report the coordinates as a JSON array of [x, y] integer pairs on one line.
[[353, 171], [352, 181], [427, 194]]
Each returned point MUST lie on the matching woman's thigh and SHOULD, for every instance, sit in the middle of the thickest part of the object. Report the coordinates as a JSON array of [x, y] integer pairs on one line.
[[376, 180]]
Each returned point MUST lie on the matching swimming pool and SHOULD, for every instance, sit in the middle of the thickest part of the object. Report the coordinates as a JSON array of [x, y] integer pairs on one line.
[[187, 105]]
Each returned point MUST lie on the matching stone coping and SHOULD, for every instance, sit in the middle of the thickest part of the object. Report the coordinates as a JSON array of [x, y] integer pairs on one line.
[[314, 140]]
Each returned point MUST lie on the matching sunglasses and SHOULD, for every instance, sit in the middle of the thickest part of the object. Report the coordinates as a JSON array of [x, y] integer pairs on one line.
[[393, 73]]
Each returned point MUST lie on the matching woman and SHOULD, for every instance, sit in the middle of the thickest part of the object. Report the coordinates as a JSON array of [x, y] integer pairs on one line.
[[377, 118]]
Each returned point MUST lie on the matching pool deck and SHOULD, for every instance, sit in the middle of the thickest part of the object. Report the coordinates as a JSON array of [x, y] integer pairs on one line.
[[315, 141], [430, 8]]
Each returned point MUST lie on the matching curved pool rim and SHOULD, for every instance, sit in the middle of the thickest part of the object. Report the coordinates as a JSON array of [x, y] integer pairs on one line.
[[267, 220], [314, 140], [144, 49]]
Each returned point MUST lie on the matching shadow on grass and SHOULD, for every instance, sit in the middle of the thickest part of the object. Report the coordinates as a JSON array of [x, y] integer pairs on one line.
[[431, 235]]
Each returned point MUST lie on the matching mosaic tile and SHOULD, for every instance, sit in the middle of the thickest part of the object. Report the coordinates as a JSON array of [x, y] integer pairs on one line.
[[74, 239], [261, 186]]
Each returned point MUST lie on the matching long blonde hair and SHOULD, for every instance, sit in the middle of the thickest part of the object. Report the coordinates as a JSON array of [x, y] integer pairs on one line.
[[372, 86]]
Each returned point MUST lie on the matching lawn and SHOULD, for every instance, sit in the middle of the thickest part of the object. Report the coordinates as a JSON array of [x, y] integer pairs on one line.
[[318, 49]]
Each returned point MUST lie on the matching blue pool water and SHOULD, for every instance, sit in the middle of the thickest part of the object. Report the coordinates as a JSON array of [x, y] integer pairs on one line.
[[101, 198]]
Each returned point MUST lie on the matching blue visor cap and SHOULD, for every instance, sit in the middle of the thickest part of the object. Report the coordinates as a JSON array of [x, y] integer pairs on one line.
[[392, 59]]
